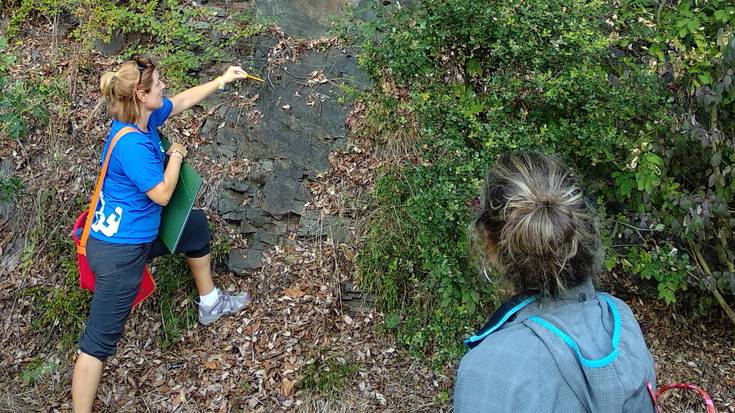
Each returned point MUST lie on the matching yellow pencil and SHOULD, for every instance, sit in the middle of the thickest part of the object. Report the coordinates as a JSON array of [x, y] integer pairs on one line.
[[248, 75]]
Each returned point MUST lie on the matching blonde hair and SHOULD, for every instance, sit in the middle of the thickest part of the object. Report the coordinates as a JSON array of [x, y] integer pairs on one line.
[[536, 220], [119, 88]]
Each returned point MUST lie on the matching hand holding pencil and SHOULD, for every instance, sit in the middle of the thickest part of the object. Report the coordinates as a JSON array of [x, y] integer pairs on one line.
[[235, 73]]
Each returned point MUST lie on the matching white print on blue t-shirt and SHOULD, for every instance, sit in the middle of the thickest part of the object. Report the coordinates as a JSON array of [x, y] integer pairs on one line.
[[108, 225]]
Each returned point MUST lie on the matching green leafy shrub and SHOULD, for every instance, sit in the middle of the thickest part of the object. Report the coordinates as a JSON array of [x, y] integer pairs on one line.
[[10, 188], [176, 34], [327, 375], [61, 307], [692, 45], [21, 101], [485, 77], [666, 266], [37, 370], [683, 37], [61, 310], [174, 298]]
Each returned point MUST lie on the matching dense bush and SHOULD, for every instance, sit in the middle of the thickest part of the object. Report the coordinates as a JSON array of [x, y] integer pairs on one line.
[[177, 35], [691, 45], [484, 77], [21, 101]]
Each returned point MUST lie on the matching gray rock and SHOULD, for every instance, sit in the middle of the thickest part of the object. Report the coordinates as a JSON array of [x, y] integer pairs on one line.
[[113, 47], [305, 18], [259, 176], [6, 168], [227, 204], [243, 261], [236, 260], [209, 125], [11, 251], [281, 227], [266, 165], [237, 186], [226, 140], [257, 217], [254, 259], [7, 209], [236, 216], [201, 26], [233, 116], [285, 169], [267, 238], [217, 36], [287, 147], [313, 224], [280, 197], [216, 11], [247, 228], [355, 300]]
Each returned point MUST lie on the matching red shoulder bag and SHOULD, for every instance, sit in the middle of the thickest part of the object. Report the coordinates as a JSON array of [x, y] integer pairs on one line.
[[83, 223]]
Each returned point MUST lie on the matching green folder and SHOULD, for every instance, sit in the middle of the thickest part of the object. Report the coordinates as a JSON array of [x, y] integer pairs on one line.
[[177, 211]]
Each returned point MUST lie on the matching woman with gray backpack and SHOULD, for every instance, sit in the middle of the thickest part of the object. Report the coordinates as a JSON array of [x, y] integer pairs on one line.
[[559, 345]]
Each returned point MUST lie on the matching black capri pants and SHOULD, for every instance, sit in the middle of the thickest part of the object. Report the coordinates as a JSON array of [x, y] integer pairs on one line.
[[118, 270]]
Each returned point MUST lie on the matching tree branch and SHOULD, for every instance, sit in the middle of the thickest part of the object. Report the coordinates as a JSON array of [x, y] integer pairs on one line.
[[705, 268]]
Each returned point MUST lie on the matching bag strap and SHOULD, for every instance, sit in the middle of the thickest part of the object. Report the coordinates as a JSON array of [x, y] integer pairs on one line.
[[706, 399], [82, 247]]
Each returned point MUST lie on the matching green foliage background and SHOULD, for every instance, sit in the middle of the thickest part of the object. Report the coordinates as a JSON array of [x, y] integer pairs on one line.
[[21, 102], [636, 97], [177, 34]]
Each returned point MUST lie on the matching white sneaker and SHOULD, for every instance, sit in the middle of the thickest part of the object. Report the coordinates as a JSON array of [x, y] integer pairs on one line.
[[225, 304]]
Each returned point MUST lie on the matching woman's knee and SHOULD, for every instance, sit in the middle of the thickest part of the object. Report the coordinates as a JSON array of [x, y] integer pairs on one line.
[[197, 236], [104, 326], [198, 222], [112, 300], [92, 344]]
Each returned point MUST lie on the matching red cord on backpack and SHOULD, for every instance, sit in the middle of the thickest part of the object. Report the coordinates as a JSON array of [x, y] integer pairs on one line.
[[708, 404]]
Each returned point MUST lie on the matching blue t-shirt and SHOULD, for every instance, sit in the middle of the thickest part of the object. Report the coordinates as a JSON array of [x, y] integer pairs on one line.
[[124, 213]]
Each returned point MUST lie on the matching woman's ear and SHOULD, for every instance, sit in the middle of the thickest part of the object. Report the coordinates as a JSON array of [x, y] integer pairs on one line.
[[141, 95]]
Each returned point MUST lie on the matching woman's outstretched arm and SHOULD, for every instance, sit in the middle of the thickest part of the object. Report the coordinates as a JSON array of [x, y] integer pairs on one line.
[[193, 96]]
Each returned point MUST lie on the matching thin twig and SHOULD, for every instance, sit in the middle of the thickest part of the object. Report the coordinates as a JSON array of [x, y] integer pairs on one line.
[[268, 76], [705, 268]]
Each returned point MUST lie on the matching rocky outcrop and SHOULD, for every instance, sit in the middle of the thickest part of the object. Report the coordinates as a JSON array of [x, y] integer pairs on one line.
[[286, 135]]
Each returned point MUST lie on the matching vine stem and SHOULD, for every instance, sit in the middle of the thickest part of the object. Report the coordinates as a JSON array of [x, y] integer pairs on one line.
[[705, 268]]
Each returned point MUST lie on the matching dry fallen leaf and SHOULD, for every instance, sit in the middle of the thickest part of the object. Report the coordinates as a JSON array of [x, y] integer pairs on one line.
[[180, 398], [211, 364], [287, 386], [293, 292]]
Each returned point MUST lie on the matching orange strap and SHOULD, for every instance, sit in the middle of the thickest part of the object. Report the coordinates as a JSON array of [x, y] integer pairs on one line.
[[82, 247]]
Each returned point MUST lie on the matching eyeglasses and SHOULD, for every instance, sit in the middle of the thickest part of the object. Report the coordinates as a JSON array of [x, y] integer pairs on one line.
[[142, 64]]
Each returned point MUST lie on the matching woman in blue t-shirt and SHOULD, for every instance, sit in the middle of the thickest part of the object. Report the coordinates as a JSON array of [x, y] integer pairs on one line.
[[126, 219]]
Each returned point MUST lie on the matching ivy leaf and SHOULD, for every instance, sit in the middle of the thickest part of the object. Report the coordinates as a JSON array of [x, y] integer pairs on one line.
[[727, 82], [716, 159]]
